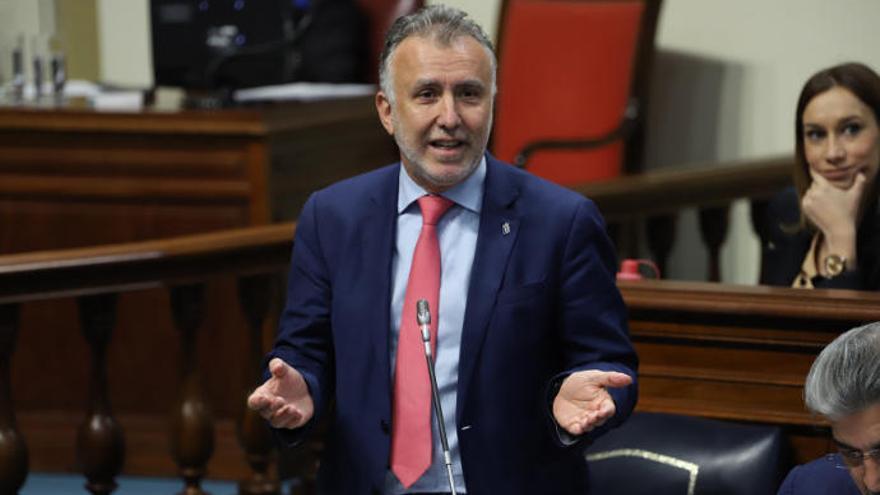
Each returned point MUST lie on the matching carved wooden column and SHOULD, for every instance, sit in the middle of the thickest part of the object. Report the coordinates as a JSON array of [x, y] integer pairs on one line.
[[13, 451], [256, 295], [192, 423], [713, 230], [100, 444], [624, 233], [613, 229], [762, 229], [661, 236]]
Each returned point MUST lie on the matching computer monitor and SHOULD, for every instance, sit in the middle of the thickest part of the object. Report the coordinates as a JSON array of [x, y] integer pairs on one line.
[[229, 44]]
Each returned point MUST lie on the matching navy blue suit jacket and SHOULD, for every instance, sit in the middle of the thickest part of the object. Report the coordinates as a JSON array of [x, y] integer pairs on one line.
[[819, 477], [542, 303]]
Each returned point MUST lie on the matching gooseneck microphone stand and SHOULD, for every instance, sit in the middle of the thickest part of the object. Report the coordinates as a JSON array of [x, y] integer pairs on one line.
[[423, 313]]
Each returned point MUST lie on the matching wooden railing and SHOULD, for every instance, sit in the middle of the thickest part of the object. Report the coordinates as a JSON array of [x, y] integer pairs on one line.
[[94, 277], [655, 197], [705, 185]]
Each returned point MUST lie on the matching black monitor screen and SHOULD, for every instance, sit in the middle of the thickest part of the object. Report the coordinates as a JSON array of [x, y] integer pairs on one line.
[[208, 44]]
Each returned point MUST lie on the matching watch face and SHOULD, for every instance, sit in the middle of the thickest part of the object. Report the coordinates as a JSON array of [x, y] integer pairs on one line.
[[834, 265]]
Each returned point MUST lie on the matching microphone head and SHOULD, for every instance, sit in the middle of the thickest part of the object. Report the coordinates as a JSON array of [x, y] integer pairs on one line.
[[423, 314]]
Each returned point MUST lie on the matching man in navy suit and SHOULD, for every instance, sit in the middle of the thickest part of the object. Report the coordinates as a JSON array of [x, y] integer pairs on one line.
[[532, 355], [843, 385]]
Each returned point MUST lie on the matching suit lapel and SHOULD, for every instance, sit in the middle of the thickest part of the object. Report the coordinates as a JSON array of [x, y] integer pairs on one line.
[[378, 232], [499, 227]]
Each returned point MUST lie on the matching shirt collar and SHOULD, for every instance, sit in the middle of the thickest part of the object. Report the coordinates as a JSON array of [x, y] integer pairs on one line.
[[467, 194]]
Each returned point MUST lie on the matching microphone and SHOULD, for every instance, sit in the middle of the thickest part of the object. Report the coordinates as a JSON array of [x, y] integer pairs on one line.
[[423, 315]]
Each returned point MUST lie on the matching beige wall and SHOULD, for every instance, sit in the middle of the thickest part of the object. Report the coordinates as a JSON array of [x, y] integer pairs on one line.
[[124, 51], [78, 32], [483, 11], [19, 16]]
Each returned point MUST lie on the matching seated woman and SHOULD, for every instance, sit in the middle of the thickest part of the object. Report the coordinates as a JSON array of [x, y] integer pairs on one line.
[[825, 232]]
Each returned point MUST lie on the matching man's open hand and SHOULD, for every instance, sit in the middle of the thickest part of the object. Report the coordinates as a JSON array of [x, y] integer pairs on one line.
[[284, 398], [583, 401]]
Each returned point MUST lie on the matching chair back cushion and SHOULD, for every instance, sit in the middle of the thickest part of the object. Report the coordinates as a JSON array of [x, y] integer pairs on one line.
[[565, 72], [664, 454]]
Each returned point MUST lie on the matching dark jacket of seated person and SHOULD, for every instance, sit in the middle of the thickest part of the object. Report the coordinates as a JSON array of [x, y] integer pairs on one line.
[[823, 476], [787, 245]]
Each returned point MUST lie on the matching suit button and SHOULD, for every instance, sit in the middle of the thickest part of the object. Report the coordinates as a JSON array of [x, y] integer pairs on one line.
[[385, 426]]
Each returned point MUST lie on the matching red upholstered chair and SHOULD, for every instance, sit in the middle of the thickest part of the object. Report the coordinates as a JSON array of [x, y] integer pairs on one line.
[[572, 86], [380, 15]]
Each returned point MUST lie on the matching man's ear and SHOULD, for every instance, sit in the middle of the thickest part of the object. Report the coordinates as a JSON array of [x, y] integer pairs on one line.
[[383, 108]]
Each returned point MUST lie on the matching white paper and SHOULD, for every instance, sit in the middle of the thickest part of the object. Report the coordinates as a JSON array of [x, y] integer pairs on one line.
[[302, 91]]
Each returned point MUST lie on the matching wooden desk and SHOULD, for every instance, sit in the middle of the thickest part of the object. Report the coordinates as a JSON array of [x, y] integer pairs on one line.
[[738, 352], [71, 178]]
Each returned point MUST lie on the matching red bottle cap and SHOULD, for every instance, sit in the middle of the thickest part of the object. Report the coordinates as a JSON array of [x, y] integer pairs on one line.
[[629, 270]]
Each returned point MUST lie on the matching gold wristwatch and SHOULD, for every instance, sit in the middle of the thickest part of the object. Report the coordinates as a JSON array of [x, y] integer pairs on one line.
[[834, 265]]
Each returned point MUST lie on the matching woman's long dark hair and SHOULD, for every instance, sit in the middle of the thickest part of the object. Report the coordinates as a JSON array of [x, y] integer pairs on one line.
[[859, 80]]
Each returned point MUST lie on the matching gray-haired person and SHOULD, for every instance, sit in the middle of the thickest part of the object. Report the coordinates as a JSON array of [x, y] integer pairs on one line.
[[532, 358], [844, 387]]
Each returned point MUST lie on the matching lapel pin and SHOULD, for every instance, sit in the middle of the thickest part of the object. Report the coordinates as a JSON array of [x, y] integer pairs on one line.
[[505, 228]]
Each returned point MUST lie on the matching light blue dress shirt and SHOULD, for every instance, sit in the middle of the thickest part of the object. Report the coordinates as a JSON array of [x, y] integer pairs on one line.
[[457, 234]]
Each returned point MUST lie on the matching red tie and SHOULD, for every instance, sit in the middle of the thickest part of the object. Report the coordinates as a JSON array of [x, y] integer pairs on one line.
[[411, 423]]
